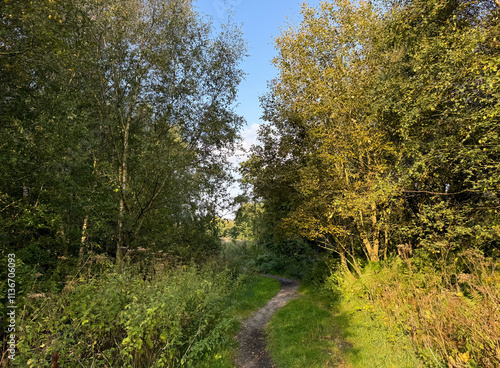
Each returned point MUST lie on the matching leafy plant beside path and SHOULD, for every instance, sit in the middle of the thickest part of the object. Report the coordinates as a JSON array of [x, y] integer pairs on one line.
[[179, 317]]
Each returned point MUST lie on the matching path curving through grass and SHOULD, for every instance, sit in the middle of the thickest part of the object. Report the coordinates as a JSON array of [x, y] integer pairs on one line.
[[252, 352]]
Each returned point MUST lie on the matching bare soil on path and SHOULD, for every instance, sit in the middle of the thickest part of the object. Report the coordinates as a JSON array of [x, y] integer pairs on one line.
[[252, 352]]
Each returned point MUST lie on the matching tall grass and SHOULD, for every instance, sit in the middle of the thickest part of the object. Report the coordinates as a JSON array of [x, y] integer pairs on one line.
[[451, 311]]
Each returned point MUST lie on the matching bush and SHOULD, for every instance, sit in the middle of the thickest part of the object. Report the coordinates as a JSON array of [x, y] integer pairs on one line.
[[240, 255], [171, 319], [293, 258]]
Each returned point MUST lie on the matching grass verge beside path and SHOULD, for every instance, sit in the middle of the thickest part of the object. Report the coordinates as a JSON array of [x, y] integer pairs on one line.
[[374, 344], [254, 294], [318, 330]]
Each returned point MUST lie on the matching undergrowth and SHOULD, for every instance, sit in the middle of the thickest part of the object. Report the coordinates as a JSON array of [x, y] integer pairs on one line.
[[157, 312], [153, 314], [449, 311]]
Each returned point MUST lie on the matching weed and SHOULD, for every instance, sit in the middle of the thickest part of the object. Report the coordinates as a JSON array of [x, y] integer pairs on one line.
[[156, 313], [172, 318]]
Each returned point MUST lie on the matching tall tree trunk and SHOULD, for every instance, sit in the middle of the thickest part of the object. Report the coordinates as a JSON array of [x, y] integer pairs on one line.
[[344, 265], [64, 240], [83, 239], [122, 172], [126, 121], [375, 237], [371, 246], [371, 250]]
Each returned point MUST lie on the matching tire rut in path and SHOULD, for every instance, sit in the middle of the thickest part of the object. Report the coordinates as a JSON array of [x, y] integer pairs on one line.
[[252, 352]]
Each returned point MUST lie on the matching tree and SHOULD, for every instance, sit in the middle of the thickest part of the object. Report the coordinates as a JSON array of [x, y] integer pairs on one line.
[[379, 125], [163, 82], [248, 221], [46, 153], [436, 101], [319, 104], [116, 116]]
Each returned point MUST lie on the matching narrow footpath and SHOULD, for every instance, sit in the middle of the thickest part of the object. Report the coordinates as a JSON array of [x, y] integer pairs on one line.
[[252, 352]]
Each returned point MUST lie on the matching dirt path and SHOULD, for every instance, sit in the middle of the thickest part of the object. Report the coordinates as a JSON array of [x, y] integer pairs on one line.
[[252, 352]]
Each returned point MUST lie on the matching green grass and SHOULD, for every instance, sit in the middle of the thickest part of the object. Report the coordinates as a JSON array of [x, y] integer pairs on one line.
[[253, 294], [374, 344], [303, 333], [318, 331]]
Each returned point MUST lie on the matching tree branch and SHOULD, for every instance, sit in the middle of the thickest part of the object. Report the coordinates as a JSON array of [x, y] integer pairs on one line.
[[437, 193], [8, 53]]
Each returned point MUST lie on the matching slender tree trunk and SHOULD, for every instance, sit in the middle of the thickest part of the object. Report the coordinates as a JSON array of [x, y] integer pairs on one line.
[[126, 121], [370, 250], [64, 240], [372, 247], [84, 238], [122, 172], [376, 240], [386, 241], [345, 266]]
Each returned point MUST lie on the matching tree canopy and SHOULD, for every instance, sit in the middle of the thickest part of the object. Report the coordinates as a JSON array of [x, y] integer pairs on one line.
[[383, 128], [117, 122]]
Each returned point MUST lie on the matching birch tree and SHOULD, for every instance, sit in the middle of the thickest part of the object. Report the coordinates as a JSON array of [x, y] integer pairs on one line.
[[164, 92], [117, 122]]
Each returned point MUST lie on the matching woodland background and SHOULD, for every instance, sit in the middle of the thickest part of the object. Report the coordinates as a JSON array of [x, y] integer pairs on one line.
[[376, 179]]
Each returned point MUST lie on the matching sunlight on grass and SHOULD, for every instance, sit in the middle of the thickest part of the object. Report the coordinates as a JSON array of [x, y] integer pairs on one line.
[[373, 343], [254, 294], [318, 332], [300, 335]]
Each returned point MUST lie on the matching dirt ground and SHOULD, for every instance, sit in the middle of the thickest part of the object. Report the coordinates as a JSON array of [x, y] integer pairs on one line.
[[252, 352]]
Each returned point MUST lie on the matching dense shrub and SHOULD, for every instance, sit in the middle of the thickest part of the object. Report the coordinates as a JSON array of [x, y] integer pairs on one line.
[[294, 258], [164, 316], [240, 255]]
